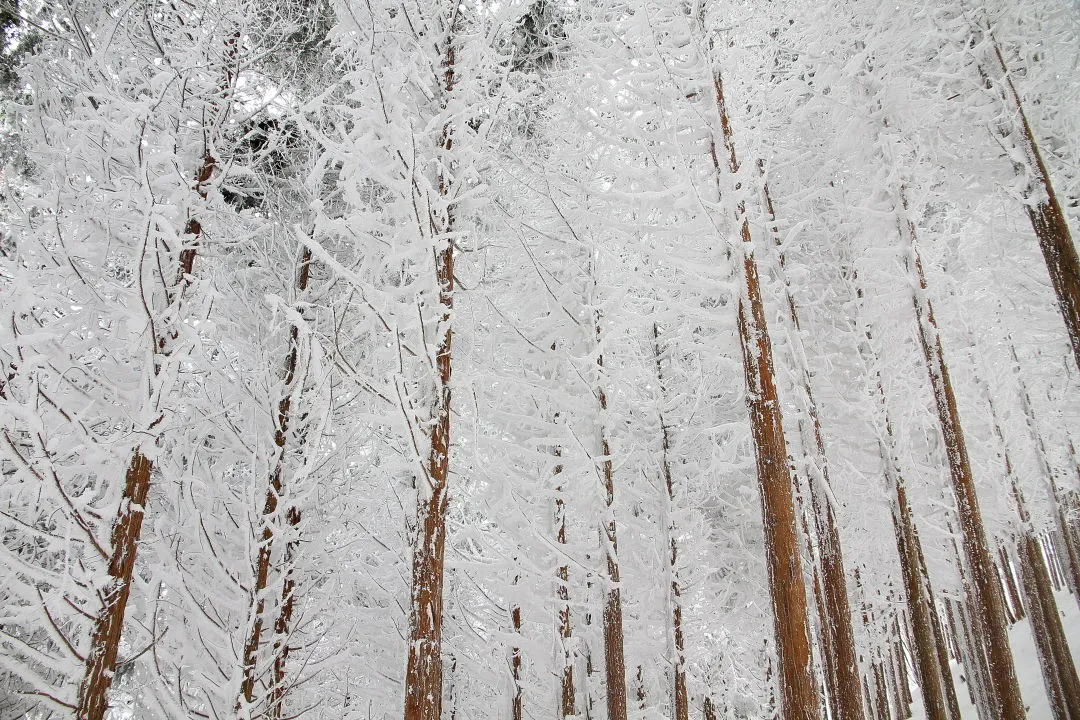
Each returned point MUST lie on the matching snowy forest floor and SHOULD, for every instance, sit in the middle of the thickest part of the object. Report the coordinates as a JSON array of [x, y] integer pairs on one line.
[[1027, 666]]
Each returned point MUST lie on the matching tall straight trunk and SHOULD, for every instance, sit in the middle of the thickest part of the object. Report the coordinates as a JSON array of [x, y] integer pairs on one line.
[[274, 489], [899, 655], [838, 637], [1012, 591], [827, 699], [986, 592], [516, 706], [791, 625], [566, 704], [1055, 659], [930, 653], [940, 640], [681, 708], [963, 651], [1059, 671], [424, 669], [614, 659], [1052, 562], [1052, 475], [1051, 680], [562, 592], [283, 622], [100, 663], [1043, 208], [932, 676]]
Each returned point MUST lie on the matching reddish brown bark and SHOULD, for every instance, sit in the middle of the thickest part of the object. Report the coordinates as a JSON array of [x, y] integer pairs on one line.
[[932, 676], [515, 663], [986, 591], [562, 590], [1052, 474], [1044, 211], [424, 669], [614, 659], [1015, 605], [681, 708], [708, 709], [283, 622], [109, 625], [1055, 659], [274, 490], [105, 640], [791, 626], [842, 672]]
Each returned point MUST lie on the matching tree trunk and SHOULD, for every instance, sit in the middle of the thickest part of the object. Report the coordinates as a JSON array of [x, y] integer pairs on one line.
[[1052, 475], [1029, 559], [791, 626], [423, 673], [842, 670], [1055, 659], [708, 709], [614, 662], [1015, 605], [985, 588], [930, 652], [274, 490], [932, 676], [515, 662], [562, 591], [1044, 211], [681, 708], [100, 663]]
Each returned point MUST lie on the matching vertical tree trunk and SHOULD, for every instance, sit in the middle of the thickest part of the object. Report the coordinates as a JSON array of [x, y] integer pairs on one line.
[[614, 662], [1055, 659], [1051, 679], [1052, 474], [1012, 592], [274, 490], [681, 707], [798, 695], [930, 653], [641, 695], [708, 709], [932, 676], [515, 662], [108, 626], [986, 592], [423, 672], [1043, 209], [838, 638], [1053, 564], [562, 592]]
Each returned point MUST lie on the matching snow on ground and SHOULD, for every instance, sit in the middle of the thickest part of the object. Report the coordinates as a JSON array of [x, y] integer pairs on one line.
[[1027, 666]]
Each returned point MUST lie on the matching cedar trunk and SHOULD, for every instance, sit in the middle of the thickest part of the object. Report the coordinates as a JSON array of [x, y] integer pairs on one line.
[[100, 663], [932, 676], [424, 668], [274, 490], [682, 707], [986, 591], [842, 671], [614, 660], [1047, 219], [790, 623]]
